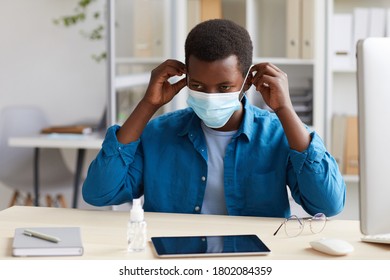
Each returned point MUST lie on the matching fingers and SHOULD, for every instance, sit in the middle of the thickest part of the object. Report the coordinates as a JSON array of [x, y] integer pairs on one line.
[[168, 69], [179, 85], [165, 82], [174, 68], [267, 75]]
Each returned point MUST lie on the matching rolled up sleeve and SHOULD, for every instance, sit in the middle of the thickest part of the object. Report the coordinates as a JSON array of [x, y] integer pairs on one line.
[[107, 181], [315, 180]]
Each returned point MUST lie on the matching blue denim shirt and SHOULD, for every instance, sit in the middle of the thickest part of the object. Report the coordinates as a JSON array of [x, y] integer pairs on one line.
[[168, 165]]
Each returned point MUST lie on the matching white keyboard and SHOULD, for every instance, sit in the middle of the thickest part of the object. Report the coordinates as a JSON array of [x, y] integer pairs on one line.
[[377, 238]]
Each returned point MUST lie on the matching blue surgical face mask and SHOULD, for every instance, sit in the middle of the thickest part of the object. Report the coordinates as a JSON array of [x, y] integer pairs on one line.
[[215, 109]]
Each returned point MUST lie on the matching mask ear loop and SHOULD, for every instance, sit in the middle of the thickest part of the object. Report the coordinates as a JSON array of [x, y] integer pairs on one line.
[[242, 87]]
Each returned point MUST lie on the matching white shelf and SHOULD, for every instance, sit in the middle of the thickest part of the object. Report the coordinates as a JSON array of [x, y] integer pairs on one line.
[[127, 81], [284, 61], [351, 178], [344, 71], [139, 60]]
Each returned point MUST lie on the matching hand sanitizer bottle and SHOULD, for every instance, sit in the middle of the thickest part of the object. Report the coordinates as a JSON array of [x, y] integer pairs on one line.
[[136, 228]]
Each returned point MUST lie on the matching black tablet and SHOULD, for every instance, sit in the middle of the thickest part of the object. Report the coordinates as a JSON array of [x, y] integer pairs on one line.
[[209, 246]]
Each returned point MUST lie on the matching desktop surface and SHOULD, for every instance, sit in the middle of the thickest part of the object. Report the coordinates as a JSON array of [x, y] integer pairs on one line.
[[54, 140], [104, 233]]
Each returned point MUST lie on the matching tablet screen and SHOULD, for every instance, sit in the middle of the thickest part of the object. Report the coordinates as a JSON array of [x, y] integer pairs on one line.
[[198, 246]]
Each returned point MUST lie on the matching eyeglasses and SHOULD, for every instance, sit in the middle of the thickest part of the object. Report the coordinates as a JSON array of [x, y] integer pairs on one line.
[[293, 226]]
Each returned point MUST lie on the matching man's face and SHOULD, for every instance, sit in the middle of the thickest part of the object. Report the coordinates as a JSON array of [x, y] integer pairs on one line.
[[219, 76]]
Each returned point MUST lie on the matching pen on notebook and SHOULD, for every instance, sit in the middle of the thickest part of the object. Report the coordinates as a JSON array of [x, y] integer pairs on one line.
[[40, 235]]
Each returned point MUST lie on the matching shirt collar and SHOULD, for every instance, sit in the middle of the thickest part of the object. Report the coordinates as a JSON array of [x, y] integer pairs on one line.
[[246, 127], [192, 126]]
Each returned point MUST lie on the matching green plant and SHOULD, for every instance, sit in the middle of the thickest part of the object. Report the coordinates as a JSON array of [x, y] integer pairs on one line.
[[81, 13]]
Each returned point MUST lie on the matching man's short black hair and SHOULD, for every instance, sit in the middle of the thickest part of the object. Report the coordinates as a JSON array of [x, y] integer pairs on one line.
[[218, 39]]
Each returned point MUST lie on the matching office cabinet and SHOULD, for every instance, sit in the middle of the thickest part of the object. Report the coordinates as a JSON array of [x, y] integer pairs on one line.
[[351, 19], [144, 33], [348, 21]]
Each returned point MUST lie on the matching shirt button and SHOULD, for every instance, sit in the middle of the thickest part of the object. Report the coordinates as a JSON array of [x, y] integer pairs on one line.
[[119, 148], [203, 239], [197, 208], [203, 178]]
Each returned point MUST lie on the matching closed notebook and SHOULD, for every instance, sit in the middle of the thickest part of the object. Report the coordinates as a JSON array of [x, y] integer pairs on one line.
[[70, 243]]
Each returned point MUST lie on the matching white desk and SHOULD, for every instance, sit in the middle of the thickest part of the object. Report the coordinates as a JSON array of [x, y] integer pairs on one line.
[[104, 233], [59, 141]]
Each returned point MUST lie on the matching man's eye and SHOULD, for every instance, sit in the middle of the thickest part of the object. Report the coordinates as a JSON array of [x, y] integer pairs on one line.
[[196, 86], [225, 88]]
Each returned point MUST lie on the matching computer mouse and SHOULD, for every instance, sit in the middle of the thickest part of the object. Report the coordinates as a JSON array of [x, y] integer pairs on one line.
[[332, 246]]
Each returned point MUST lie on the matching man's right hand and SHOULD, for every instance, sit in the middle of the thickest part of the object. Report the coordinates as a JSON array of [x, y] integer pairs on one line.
[[160, 91]]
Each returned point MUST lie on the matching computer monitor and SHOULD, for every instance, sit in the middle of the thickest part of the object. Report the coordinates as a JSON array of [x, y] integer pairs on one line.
[[373, 82]]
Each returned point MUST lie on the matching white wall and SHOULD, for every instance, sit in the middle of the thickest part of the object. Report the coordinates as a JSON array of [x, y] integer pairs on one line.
[[48, 65]]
